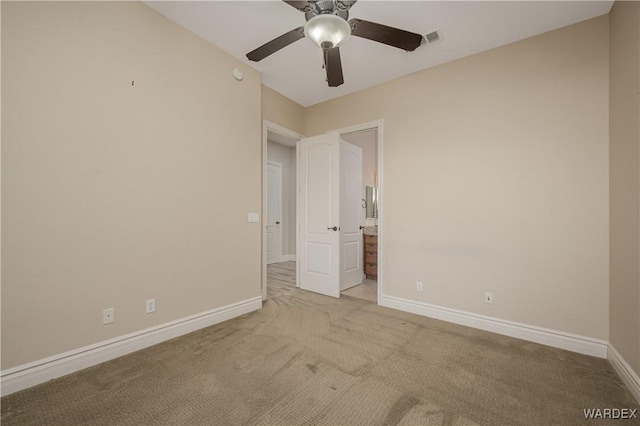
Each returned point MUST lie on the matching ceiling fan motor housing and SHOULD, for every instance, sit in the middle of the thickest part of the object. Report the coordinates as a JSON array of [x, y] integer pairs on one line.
[[325, 7]]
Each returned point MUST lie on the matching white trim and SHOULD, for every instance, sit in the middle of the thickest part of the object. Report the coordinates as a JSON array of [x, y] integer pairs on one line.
[[359, 127], [288, 258], [376, 124], [379, 219], [557, 339], [266, 126], [33, 373], [298, 231], [626, 373]]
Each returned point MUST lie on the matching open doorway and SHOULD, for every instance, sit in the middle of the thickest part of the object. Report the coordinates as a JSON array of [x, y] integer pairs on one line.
[[367, 139], [326, 214], [370, 194], [278, 202]]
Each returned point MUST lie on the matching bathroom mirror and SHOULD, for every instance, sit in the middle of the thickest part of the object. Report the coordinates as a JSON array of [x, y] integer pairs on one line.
[[371, 202]]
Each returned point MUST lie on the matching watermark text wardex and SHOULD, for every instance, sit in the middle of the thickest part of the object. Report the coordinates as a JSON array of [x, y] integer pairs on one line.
[[610, 413]]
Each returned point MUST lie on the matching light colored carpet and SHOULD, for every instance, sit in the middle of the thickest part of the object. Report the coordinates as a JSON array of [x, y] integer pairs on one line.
[[311, 359]]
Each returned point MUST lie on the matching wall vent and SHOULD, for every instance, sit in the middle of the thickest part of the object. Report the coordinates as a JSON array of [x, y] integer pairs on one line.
[[431, 37]]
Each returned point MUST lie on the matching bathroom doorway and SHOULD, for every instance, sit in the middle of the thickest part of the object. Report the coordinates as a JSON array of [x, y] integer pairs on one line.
[[368, 138]]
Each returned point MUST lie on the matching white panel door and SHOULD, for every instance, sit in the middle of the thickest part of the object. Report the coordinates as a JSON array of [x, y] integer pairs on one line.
[[274, 212], [318, 214], [351, 215]]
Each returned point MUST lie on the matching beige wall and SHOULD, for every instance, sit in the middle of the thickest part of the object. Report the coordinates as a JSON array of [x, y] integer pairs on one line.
[[496, 175], [286, 156], [113, 193], [625, 181], [282, 110]]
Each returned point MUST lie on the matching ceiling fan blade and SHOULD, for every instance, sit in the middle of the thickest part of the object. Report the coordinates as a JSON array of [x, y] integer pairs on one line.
[[333, 66], [276, 44], [302, 6], [395, 37]]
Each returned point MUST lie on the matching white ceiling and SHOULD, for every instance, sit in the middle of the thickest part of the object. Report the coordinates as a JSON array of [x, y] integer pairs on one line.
[[466, 27]]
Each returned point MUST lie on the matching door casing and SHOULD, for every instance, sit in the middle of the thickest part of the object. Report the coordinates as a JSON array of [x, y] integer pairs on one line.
[[268, 126]]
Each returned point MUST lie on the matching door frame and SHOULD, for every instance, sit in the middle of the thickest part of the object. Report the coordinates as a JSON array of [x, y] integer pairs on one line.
[[379, 125], [268, 126]]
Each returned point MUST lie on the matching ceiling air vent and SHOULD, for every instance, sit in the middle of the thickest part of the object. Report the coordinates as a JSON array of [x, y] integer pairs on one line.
[[432, 36]]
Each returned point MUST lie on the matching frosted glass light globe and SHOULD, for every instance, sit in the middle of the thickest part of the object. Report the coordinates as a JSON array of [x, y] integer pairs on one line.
[[327, 31]]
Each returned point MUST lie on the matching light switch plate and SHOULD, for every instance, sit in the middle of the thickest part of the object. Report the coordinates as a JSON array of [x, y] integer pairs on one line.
[[254, 217]]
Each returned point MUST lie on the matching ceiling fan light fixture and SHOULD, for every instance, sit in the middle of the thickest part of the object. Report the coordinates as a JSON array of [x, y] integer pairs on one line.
[[327, 30]]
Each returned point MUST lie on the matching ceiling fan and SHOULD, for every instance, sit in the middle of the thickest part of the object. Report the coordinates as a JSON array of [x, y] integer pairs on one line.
[[328, 26]]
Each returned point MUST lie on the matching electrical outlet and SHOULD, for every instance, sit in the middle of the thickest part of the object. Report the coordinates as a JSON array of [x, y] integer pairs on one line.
[[419, 285], [488, 297], [151, 305], [108, 316]]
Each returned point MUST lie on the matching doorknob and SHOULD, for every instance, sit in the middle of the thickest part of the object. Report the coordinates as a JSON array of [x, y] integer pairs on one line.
[[335, 228], [277, 223]]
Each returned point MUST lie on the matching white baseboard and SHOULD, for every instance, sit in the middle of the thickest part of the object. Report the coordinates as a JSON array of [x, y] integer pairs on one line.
[[626, 373], [557, 339], [33, 373], [288, 258]]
